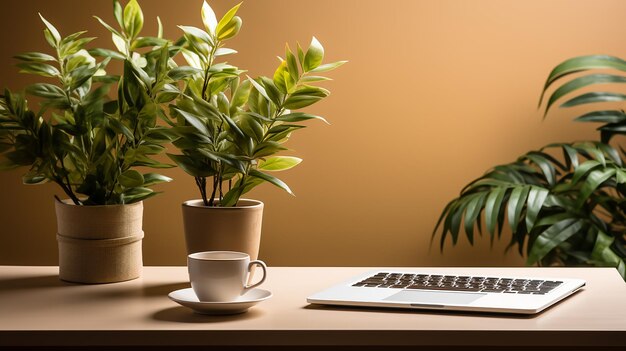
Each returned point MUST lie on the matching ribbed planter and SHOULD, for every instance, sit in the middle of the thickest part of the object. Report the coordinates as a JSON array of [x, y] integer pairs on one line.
[[223, 228], [99, 244]]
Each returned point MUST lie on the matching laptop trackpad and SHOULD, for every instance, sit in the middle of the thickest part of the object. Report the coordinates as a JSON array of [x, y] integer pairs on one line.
[[434, 297]]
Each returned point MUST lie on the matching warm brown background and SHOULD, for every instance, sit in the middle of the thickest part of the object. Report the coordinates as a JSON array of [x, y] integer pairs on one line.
[[435, 93]]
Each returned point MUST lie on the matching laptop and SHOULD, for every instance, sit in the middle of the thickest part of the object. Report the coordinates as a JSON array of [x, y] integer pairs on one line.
[[420, 289]]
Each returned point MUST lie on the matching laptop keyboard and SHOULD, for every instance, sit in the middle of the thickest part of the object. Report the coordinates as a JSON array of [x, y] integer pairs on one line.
[[459, 283]]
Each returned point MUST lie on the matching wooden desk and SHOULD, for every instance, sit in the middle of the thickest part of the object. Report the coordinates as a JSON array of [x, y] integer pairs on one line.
[[36, 309]]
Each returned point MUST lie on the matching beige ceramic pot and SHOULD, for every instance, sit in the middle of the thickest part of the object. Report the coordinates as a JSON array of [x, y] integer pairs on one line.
[[223, 228], [99, 244]]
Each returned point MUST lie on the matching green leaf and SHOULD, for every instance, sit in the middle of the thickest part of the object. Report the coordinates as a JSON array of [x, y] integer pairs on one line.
[[611, 152], [271, 91], [546, 167], [144, 42], [279, 163], [328, 67], [593, 97], [292, 65], [226, 20], [295, 102], [310, 79], [224, 52], [208, 18], [34, 57], [571, 156], [107, 26], [137, 194], [300, 54], [584, 63], [120, 43], [118, 13], [194, 168], [241, 95], [195, 121], [267, 148], [493, 206], [159, 28], [196, 33], [583, 169], [553, 237], [120, 128], [53, 31], [553, 219], [279, 183], [536, 197], [251, 127], [33, 179], [259, 88], [279, 75], [232, 29], [231, 197], [183, 72], [41, 69], [131, 178], [299, 116], [472, 213], [603, 255], [594, 180], [106, 53], [620, 176], [607, 116], [150, 149], [314, 55], [516, 205], [45, 90], [582, 82], [154, 178], [133, 19]]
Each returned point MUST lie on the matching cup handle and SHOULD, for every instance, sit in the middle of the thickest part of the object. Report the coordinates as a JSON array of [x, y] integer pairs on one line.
[[263, 267]]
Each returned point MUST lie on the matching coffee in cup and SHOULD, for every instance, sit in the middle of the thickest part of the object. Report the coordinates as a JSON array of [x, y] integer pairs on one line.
[[221, 276]]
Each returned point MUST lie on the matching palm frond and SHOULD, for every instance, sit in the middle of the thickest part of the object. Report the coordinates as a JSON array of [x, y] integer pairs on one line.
[[550, 199]]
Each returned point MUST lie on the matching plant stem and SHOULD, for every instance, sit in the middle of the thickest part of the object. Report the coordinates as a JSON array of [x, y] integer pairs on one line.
[[201, 183], [67, 188], [215, 181], [220, 181], [68, 191]]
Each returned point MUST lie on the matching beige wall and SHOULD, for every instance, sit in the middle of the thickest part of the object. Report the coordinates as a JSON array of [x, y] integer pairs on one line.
[[435, 93]]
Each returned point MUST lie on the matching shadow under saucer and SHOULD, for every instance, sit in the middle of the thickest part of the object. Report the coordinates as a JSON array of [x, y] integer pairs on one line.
[[185, 315]]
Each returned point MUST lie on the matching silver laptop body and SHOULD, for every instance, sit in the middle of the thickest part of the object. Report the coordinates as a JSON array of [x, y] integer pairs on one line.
[[420, 289]]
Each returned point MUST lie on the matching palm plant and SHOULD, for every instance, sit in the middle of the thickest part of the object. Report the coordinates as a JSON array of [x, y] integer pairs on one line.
[[564, 203]]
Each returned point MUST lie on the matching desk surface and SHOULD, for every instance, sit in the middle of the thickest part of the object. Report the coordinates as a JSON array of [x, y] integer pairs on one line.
[[38, 309]]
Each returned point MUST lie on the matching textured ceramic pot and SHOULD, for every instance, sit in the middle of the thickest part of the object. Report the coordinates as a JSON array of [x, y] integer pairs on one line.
[[99, 244], [223, 228]]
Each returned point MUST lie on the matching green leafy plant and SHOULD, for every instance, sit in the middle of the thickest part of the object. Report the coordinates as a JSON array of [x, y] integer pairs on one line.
[[79, 138], [230, 128], [563, 203]]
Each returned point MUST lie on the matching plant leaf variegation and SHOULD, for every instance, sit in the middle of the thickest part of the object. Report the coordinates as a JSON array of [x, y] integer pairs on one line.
[[564, 204], [229, 125], [79, 138]]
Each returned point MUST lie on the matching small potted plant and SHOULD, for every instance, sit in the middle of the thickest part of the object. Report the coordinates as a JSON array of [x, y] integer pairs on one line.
[[230, 129], [91, 145]]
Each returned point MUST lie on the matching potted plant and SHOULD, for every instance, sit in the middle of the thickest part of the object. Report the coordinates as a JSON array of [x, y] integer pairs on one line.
[[91, 145], [564, 203], [230, 130]]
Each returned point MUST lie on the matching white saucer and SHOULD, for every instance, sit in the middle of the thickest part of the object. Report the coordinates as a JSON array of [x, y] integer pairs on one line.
[[187, 297]]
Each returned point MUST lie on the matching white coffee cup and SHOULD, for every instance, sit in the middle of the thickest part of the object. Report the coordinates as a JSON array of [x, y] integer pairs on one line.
[[221, 276]]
